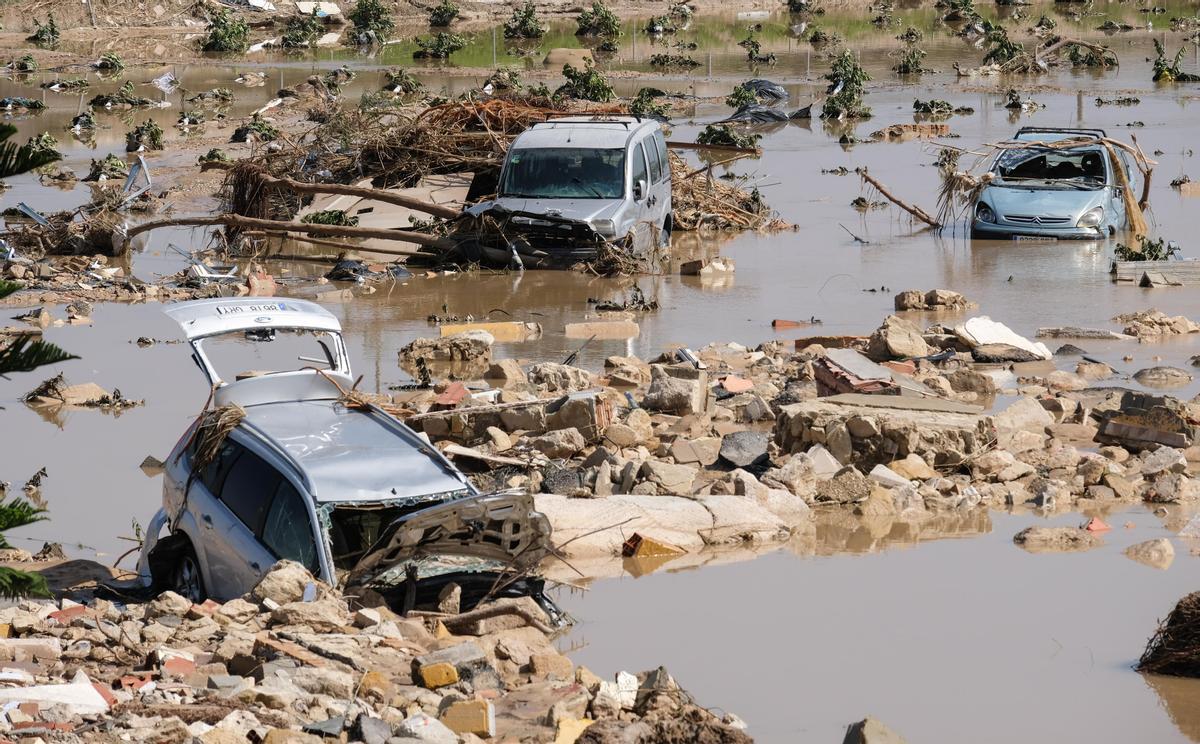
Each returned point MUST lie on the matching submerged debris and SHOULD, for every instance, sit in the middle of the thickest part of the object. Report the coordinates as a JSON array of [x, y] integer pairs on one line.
[[1174, 649]]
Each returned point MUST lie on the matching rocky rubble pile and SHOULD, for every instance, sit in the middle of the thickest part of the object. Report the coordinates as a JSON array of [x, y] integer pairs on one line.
[[293, 662], [729, 445]]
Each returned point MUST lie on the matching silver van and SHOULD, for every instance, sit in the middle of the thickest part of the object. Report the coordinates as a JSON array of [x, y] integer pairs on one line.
[[345, 489], [571, 183]]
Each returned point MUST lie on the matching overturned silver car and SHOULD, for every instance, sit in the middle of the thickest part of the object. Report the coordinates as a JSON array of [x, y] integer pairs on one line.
[[285, 465]]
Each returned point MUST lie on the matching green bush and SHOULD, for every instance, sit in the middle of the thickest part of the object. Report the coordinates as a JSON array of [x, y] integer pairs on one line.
[[372, 21], [741, 96], [524, 23], [847, 102], [302, 31], [226, 33], [439, 46], [598, 21], [443, 14], [725, 135], [586, 84], [45, 35]]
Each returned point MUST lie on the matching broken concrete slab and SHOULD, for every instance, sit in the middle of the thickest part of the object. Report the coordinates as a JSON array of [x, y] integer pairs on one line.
[[983, 330], [604, 329], [933, 429]]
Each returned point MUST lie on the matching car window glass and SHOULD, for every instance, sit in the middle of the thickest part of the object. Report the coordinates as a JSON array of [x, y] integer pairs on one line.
[[213, 474], [660, 145], [639, 164], [287, 531], [248, 489], [655, 164]]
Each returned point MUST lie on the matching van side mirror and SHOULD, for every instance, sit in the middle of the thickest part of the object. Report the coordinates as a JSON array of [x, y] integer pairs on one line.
[[639, 189]]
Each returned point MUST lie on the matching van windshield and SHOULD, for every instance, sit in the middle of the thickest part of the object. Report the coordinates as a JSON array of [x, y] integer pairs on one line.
[[1080, 169], [564, 173]]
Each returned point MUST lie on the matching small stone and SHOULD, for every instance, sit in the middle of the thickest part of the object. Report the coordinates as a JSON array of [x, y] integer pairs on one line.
[[1055, 539], [1157, 553], [471, 717], [1162, 377], [743, 449], [871, 731]]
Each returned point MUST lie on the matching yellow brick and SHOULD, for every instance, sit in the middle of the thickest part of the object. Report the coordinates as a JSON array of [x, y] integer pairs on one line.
[[569, 729], [5, 630], [440, 631], [471, 717], [438, 675]]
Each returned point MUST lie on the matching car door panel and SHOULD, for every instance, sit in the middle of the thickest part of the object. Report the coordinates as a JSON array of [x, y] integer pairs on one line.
[[235, 520]]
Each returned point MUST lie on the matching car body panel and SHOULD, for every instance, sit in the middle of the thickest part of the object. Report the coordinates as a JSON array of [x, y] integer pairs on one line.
[[349, 454]]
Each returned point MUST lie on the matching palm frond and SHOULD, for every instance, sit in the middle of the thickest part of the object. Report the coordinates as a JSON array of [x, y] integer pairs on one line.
[[17, 512], [25, 354], [15, 159], [7, 287], [16, 584]]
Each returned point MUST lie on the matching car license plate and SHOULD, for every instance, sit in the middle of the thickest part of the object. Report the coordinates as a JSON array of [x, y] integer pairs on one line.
[[1036, 238], [267, 307]]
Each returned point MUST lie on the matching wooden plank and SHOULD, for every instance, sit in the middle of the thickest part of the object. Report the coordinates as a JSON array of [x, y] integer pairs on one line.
[[1186, 272]]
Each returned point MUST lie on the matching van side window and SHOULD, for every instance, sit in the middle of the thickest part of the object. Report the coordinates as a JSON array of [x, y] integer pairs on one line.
[[660, 144], [639, 164], [248, 489], [288, 529], [655, 163]]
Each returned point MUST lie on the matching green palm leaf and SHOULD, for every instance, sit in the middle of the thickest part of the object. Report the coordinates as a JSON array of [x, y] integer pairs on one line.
[[15, 160], [17, 512], [25, 354], [16, 584]]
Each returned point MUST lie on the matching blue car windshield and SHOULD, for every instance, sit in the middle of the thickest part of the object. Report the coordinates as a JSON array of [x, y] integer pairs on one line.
[[564, 173], [1081, 168]]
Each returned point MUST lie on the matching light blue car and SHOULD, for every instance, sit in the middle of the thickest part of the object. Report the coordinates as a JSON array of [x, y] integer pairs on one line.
[[1044, 193]]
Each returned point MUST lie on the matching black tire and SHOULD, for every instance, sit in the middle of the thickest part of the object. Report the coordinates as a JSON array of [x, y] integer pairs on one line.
[[186, 579]]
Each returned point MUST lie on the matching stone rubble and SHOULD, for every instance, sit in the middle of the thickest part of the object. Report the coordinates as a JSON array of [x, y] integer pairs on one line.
[[271, 667]]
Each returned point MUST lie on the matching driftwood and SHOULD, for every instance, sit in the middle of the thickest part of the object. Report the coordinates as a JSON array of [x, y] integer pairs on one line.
[[672, 144], [382, 195], [915, 211], [249, 223], [484, 613]]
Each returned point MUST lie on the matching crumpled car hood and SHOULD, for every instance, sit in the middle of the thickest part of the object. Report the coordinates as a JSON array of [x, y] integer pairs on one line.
[[1042, 202], [575, 209], [502, 528]]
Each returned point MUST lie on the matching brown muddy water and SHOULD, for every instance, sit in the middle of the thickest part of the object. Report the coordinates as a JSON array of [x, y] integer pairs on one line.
[[947, 640]]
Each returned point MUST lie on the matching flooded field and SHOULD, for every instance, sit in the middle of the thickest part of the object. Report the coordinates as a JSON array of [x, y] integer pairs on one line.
[[947, 634]]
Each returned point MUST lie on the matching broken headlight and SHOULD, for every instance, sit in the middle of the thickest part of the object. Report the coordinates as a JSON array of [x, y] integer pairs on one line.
[[1091, 218], [984, 213], [606, 228]]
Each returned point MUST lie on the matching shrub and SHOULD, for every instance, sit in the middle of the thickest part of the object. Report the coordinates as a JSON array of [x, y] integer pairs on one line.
[[226, 33], [443, 14], [302, 31], [598, 21], [586, 84], [524, 23], [372, 22], [439, 46]]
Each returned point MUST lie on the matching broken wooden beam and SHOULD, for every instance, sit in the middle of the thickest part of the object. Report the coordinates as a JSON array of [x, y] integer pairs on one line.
[[251, 223]]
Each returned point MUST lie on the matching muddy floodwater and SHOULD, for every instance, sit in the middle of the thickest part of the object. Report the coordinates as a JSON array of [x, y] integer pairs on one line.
[[950, 634]]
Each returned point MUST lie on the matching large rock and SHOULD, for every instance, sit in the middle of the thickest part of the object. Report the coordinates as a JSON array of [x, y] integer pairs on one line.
[[559, 56], [1056, 539], [671, 479], [1024, 415], [559, 378], [1157, 553], [284, 582], [584, 522], [871, 731], [739, 519], [680, 391], [325, 615], [742, 449], [1162, 377], [940, 437], [558, 444], [896, 339], [469, 352]]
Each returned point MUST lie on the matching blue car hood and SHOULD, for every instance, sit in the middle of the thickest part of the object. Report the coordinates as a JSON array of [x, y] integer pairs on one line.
[[1042, 202]]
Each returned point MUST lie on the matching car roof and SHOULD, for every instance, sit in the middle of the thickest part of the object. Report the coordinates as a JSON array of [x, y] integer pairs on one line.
[[352, 454], [584, 132], [1054, 134], [214, 317]]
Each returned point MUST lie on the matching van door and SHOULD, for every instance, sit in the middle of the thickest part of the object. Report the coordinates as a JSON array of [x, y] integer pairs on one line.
[[237, 519], [640, 214], [660, 177], [289, 530], [1119, 219]]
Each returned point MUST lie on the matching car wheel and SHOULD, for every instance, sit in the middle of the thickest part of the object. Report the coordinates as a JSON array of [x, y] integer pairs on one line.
[[186, 578]]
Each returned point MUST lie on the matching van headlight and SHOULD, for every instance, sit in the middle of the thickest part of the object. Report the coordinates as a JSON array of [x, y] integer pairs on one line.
[[984, 213], [1091, 218], [607, 228]]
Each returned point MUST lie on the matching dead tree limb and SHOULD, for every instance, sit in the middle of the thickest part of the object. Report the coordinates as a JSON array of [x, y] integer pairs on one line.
[[249, 223], [382, 195], [917, 212], [484, 613], [715, 148]]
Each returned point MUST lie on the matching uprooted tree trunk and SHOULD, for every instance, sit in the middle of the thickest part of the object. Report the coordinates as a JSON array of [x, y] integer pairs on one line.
[[282, 226], [250, 177]]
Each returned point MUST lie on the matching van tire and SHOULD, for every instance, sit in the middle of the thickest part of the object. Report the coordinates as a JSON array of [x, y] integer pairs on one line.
[[186, 577], [668, 226]]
